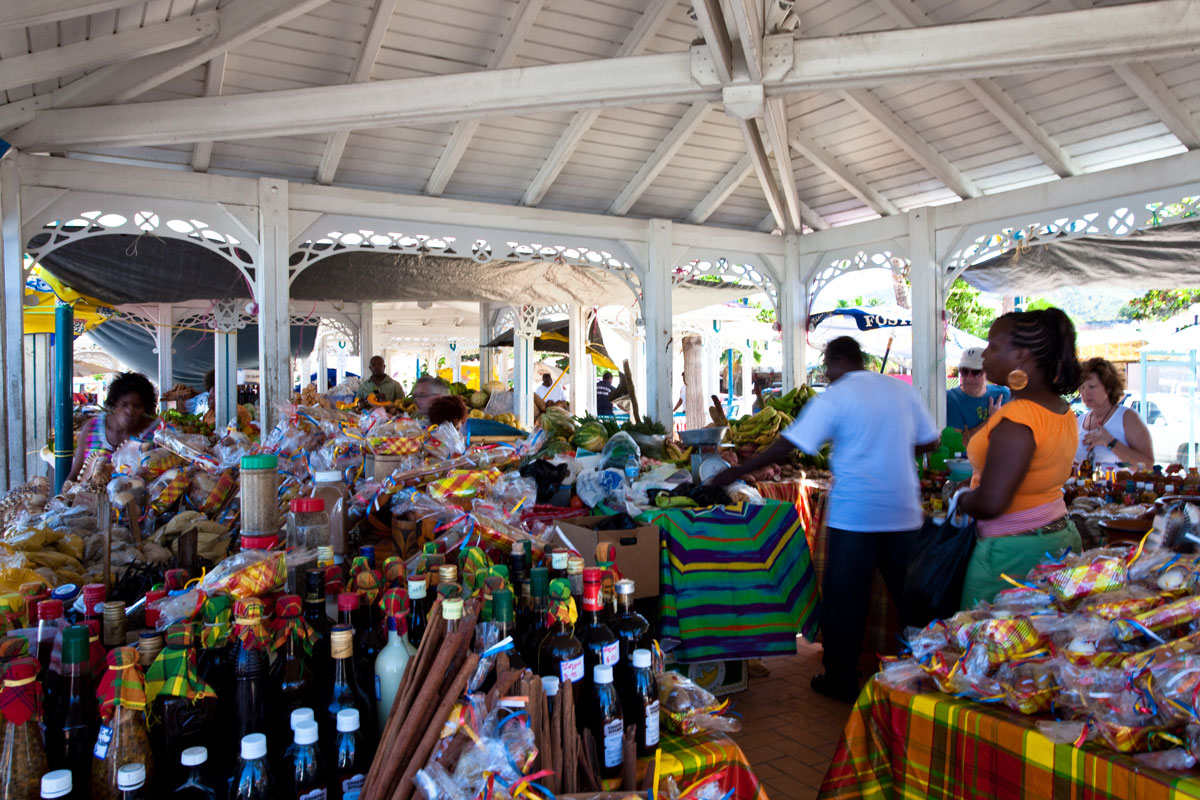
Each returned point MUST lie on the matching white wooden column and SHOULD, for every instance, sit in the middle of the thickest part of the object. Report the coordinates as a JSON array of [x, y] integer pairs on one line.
[[456, 362], [485, 336], [271, 293], [12, 329], [226, 322], [581, 375], [656, 311], [793, 314], [164, 339], [38, 400], [322, 365], [524, 329], [637, 361], [747, 370], [928, 302], [366, 340]]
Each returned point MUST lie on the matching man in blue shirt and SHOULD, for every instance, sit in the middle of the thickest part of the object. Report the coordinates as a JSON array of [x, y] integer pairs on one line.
[[969, 405]]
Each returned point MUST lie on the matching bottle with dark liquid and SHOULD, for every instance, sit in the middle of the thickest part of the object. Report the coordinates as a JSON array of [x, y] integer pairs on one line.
[[518, 576], [344, 691], [252, 781], [419, 605], [211, 663], [305, 778], [599, 643], [248, 663], [366, 644], [185, 708], [559, 556], [561, 654], [640, 703], [22, 755], [604, 717], [291, 682], [350, 763], [195, 785], [71, 731], [535, 630], [632, 632], [502, 615], [575, 568]]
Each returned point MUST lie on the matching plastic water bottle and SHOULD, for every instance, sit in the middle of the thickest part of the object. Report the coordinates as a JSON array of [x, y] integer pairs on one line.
[[633, 468]]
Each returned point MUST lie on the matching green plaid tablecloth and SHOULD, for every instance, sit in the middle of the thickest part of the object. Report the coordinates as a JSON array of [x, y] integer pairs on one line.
[[901, 745]]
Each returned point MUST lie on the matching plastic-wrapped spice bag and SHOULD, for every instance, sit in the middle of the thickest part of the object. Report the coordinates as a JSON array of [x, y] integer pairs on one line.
[[124, 737], [22, 757]]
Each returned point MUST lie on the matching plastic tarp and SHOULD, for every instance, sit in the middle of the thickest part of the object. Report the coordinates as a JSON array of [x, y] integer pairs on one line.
[[1166, 257], [882, 329]]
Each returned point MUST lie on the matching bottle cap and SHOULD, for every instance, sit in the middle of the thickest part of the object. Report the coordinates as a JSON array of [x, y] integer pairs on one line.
[[303, 505], [193, 756], [48, 610], [287, 605], [550, 685], [262, 541], [593, 575], [576, 565], [314, 584], [348, 601], [559, 557], [301, 715], [417, 588], [327, 476], [539, 581], [447, 573], [264, 461], [641, 658], [254, 745], [347, 720], [624, 586], [368, 552], [452, 608], [75, 645], [114, 610], [602, 673], [305, 732], [66, 592], [131, 776], [341, 641], [56, 783], [93, 593], [502, 606]]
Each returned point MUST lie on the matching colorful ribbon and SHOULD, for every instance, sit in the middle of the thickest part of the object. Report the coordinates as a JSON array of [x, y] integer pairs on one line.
[[250, 624]]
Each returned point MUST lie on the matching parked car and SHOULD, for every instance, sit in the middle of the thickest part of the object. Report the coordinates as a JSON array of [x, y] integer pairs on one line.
[[1151, 414]]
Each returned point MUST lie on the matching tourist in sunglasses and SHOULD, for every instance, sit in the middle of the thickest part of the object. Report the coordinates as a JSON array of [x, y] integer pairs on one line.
[[973, 401]]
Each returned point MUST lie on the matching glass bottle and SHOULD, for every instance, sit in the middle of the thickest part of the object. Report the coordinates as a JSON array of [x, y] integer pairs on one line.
[[389, 668], [329, 486], [57, 785], [350, 761], [131, 782], [575, 568], [71, 730], [124, 737], [452, 612], [518, 576], [49, 628], [113, 628], [631, 629], [604, 717], [318, 623], [344, 691], [217, 613], [348, 614], [535, 631], [561, 653], [291, 683], [307, 529], [22, 756], [252, 781], [248, 665], [640, 703], [305, 777], [418, 609], [559, 556], [599, 643], [502, 615], [184, 707], [195, 785]]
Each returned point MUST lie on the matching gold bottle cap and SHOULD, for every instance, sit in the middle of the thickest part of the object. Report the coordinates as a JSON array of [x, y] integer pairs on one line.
[[341, 641], [575, 565], [447, 573]]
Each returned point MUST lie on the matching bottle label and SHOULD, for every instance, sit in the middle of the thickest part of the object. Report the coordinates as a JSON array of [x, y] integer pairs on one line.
[[572, 670], [652, 724], [100, 751], [352, 787], [378, 689], [315, 794], [613, 743], [558, 560], [610, 654]]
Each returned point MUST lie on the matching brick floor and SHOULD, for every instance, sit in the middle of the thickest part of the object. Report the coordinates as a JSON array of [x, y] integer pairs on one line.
[[789, 732]]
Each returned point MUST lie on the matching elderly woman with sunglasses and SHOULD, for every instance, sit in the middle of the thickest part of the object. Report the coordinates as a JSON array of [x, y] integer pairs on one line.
[[973, 401]]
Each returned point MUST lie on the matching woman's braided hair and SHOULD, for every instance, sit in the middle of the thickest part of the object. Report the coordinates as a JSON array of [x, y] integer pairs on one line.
[[1050, 336]]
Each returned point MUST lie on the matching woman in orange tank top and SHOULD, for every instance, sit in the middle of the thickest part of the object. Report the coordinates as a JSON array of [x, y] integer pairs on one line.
[[1023, 455]]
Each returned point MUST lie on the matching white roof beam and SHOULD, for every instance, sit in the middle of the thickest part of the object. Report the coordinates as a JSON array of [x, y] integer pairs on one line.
[[766, 179], [775, 119], [710, 20], [58, 61], [717, 195], [23, 13], [643, 31], [1159, 98], [662, 155], [843, 175], [911, 142], [364, 63], [514, 36], [1164, 28], [993, 98], [748, 14], [214, 79]]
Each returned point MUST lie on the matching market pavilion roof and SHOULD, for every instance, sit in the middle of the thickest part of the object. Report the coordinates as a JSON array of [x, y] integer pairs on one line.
[[647, 108]]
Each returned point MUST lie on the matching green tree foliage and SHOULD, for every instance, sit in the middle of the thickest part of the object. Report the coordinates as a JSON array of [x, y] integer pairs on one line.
[[1160, 303], [965, 310]]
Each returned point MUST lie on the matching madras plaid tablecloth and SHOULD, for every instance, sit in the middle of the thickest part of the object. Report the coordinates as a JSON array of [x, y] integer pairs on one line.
[[692, 758], [900, 745], [737, 581], [811, 500]]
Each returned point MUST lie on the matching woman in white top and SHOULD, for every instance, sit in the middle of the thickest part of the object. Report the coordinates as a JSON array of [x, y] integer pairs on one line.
[[1110, 433]]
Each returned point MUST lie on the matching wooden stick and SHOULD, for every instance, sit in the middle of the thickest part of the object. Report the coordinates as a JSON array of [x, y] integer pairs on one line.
[[629, 759], [405, 789], [590, 763], [135, 525], [554, 745], [648, 779], [570, 739], [633, 403]]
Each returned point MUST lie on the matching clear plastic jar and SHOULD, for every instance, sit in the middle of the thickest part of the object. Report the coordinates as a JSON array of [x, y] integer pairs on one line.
[[307, 530], [259, 492], [329, 486]]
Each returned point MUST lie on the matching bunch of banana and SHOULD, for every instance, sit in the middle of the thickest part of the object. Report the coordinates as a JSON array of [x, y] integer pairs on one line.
[[672, 452], [759, 429], [793, 401], [508, 419]]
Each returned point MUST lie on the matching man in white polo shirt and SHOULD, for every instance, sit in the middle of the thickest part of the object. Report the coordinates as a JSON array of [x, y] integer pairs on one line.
[[877, 426]]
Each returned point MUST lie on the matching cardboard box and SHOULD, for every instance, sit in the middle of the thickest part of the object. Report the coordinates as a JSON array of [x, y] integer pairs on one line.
[[637, 550]]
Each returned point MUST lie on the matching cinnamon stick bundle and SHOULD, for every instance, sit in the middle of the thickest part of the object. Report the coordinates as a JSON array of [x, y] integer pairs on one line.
[[629, 759], [589, 764], [552, 745], [570, 737], [416, 761]]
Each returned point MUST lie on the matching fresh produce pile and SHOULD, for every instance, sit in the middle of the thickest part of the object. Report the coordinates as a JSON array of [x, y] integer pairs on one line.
[[758, 431]]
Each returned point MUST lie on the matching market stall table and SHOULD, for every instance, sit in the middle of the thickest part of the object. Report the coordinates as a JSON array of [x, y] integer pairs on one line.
[[899, 744], [693, 758]]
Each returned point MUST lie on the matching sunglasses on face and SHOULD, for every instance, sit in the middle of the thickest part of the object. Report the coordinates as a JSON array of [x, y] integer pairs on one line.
[[970, 373]]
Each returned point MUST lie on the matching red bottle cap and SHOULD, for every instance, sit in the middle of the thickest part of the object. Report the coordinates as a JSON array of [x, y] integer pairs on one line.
[[50, 610], [153, 614], [258, 542], [593, 575], [305, 504], [348, 601]]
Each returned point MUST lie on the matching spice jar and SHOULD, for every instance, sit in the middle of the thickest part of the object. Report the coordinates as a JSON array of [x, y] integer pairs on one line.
[[259, 495], [124, 737], [329, 486], [114, 624], [22, 757], [307, 530]]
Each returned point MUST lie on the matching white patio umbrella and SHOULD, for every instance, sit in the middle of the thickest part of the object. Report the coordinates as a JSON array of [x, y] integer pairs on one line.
[[876, 326]]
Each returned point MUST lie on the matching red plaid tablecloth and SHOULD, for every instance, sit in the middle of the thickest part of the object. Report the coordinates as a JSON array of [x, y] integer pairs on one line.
[[900, 745]]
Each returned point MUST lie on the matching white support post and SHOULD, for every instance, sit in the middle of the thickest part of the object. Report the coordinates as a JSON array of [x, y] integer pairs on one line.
[[793, 315], [225, 388], [485, 336], [456, 362], [637, 362], [37, 400], [928, 300], [582, 380], [271, 293], [322, 365], [164, 338], [366, 339], [523, 332], [747, 370], [12, 330], [656, 312]]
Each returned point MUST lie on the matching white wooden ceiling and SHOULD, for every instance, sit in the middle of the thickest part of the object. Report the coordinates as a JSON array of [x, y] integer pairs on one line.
[[855, 153]]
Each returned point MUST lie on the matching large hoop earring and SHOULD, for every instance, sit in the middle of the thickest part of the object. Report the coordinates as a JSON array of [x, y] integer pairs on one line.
[[1018, 379]]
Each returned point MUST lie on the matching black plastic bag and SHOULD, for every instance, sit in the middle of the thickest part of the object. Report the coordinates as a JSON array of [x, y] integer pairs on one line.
[[547, 476], [934, 582]]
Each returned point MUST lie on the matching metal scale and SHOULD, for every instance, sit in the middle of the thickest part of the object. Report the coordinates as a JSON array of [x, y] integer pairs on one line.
[[706, 448]]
